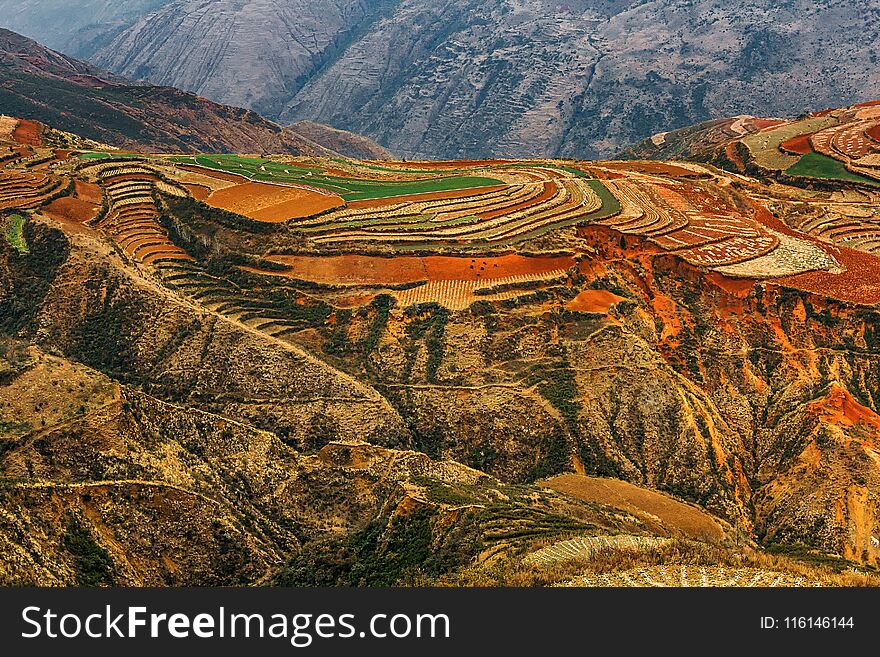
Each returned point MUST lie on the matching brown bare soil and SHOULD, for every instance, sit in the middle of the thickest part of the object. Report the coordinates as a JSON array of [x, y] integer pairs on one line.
[[430, 196], [838, 407], [689, 520], [799, 145], [860, 283], [376, 270], [88, 192], [199, 192], [28, 132], [593, 301], [763, 124], [71, 210], [272, 203], [874, 133]]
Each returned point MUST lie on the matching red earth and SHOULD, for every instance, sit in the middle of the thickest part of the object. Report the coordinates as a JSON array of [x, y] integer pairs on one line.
[[593, 301], [376, 270], [874, 133], [28, 132], [798, 145]]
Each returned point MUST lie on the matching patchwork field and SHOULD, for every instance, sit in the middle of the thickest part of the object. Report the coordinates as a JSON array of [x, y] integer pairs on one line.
[[693, 576]]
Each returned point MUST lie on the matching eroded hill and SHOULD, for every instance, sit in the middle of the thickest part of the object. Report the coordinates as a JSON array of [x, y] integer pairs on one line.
[[345, 371]]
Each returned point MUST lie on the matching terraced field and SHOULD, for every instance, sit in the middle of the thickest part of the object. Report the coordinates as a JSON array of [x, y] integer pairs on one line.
[[764, 147], [350, 189], [132, 215], [25, 190], [692, 576], [576, 549]]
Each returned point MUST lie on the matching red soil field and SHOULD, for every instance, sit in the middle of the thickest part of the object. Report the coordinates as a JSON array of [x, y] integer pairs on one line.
[[874, 133], [28, 132], [798, 145], [593, 301], [272, 203], [429, 196], [376, 270], [763, 124], [860, 283], [870, 103], [199, 192], [647, 504], [88, 192], [71, 210]]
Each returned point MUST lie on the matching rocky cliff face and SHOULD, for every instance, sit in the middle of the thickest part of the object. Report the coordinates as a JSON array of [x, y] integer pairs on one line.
[[461, 78], [254, 54]]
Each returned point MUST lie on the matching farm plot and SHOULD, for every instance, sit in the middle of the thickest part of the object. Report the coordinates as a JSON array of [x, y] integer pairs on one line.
[[764, 147], [350, 189], [272, 203], [460, 294], [132, 216], [692, 576], [584, 547], [702, 227], [399, 270], [817, 165], [505, 216], [856, 227], [25, 190]]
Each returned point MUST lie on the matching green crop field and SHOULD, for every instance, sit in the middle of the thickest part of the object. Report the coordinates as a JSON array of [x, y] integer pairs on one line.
[[350, 189], [14, 231], [816, 165]]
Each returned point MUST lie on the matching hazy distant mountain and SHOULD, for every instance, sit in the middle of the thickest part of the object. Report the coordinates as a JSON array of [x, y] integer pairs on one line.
[[41, 84], [456, 78]]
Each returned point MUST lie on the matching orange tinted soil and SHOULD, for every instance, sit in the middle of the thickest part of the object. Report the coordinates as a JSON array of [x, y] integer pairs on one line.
[[376, 270], [88, 192], [689, 520], [430, 196], [860, 283], [593, 301], [28, 132], [798, 145], [199, 192], [272, 203], [870, 103], [738, 287], [874, 133], [71, 210], [763, 124], [838, 407], [733, 156]]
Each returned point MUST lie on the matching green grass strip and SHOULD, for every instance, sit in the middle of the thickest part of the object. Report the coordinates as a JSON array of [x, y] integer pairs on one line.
[[14, 231], [816, 165]]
